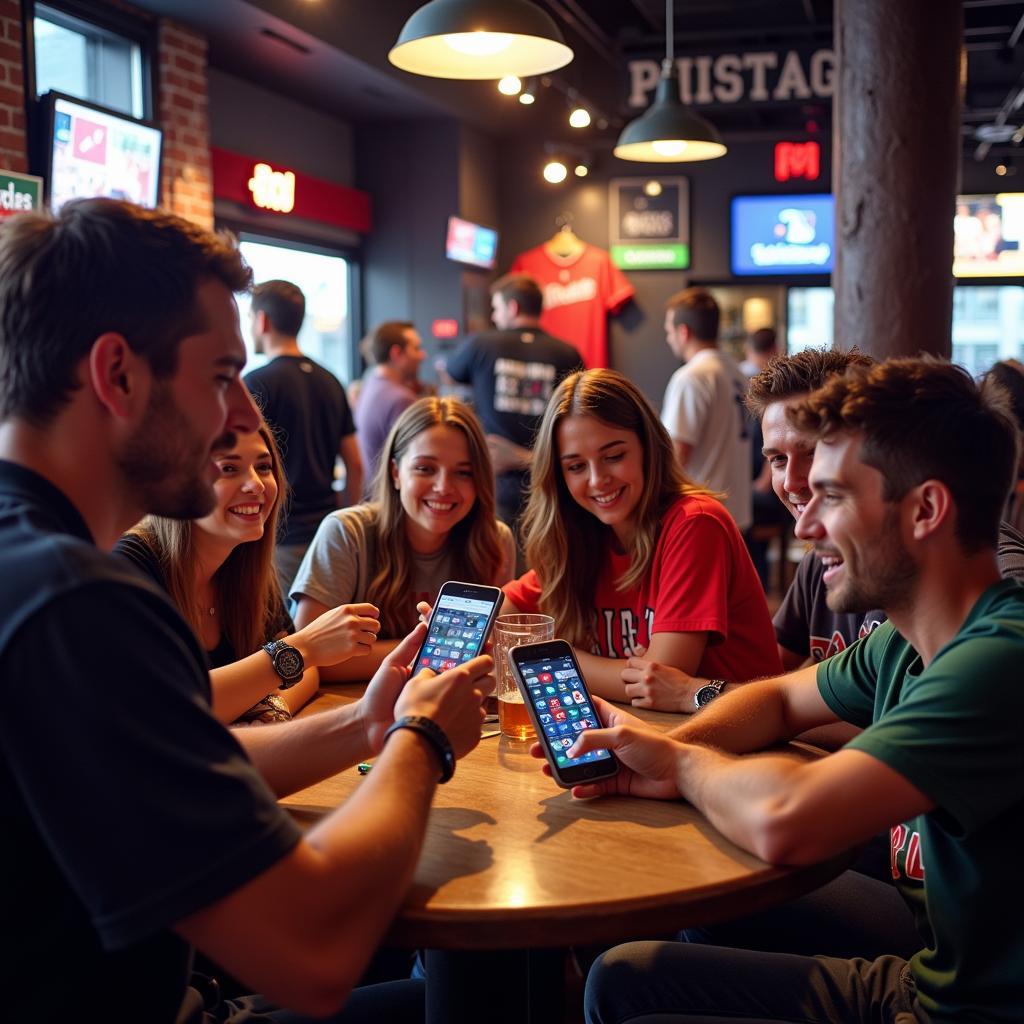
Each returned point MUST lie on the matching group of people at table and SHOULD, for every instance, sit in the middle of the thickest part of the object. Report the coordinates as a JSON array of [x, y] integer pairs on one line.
[[142, 827]]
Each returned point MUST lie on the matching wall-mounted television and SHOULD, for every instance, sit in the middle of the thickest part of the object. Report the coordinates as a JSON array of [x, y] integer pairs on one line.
[[471, 243], [97, 152], [782, 235], [987, 235]]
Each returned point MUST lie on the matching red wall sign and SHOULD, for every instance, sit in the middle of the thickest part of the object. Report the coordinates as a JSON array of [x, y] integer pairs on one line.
[[797, 160], [253, 182], [445, 328]]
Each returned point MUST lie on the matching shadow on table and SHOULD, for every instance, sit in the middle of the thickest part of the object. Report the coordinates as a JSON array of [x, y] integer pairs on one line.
[[456, 856]]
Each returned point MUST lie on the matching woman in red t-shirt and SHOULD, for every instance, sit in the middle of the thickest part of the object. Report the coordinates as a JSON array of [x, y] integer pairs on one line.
[[631, 558]]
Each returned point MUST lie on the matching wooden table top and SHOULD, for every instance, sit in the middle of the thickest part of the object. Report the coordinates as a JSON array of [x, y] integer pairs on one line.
[[512, 861]]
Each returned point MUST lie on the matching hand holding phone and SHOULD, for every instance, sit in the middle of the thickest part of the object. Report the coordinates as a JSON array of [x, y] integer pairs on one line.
[[561, 709], [459, 624]]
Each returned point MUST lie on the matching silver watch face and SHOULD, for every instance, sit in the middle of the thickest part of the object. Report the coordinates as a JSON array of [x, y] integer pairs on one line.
[[288, 662], [706, 694]]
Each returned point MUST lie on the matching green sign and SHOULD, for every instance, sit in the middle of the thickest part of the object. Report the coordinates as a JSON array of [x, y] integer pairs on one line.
[[19, 192], [651, 257]]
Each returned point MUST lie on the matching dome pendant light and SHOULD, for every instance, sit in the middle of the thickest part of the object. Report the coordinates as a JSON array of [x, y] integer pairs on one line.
[[480, 39], [667, 132]]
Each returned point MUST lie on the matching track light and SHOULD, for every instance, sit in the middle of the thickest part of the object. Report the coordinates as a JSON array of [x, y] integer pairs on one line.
[[579, 118], [555, 172], [510, 85], [529, 93]]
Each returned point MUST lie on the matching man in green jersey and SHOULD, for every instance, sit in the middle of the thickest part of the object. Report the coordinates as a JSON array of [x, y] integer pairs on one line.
[[911, 470]]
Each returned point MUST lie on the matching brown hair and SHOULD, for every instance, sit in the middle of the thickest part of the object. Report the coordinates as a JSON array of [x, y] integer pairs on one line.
[[763, 340], [283, 303], [697, 309], [562, 539], [474, 541], [787, 376], [924, 419], [246, 586], [377, 346], [523, 290], [99, 265]]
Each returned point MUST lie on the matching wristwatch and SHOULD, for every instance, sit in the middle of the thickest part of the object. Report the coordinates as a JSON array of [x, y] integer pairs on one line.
[[436, 739], [708, 692], [287, 662]]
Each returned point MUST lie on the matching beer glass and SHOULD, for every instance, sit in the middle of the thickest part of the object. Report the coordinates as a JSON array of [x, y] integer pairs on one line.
[[514, 631]]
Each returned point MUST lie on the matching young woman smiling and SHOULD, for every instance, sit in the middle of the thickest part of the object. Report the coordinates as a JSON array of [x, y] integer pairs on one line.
[[219, 571], [632, 558], [432, 520]]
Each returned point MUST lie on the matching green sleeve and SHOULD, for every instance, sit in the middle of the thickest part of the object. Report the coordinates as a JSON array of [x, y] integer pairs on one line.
[[848, 680]]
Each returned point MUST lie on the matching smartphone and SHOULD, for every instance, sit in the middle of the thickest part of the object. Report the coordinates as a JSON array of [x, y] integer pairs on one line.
[[462, 617], [560, 707]]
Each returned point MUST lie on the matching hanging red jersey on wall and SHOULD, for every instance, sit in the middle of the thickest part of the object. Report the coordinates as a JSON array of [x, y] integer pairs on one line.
[[580, 290]]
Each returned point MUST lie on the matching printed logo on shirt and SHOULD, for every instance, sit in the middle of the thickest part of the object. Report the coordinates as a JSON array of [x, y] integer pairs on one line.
[[823, 647], [582, 290], [911, 864], [618, 632], [522, 388]]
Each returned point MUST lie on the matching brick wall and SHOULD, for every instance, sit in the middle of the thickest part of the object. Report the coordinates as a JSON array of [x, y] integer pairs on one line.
[[187, 181], [13, 142]]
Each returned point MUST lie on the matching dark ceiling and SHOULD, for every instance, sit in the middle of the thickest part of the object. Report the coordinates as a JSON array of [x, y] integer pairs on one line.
[[332, 54]]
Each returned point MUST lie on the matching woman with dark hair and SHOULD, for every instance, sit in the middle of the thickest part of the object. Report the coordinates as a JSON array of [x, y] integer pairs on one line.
[[432, 519], [219, 571], [630, 557]]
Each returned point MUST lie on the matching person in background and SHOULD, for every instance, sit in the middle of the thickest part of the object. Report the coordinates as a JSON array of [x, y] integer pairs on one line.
[[139, 825], [306, 407], [759, 350], [512, 371], [395, 352], [629, 556], [703, 406], [219, 571], [432, 519], [1009, 375], [910, 473]]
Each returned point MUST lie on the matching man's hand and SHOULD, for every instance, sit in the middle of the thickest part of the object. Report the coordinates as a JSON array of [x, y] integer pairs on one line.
[[377, 705], [649, 684], [506, 455], [647, 756], [339, 634]]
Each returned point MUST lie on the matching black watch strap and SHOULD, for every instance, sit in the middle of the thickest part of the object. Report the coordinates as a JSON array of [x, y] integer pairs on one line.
[[287, 661], [434, 735]]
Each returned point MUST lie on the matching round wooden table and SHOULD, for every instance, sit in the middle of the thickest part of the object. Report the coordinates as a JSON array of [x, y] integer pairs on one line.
[[512, 862]]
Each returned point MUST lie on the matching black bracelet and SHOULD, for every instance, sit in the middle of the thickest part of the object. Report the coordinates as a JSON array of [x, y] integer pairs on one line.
[[434, 735]]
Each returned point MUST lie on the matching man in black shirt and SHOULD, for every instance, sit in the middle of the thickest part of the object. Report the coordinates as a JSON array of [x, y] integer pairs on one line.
[[513, 371], [135, 824], [309, 413]]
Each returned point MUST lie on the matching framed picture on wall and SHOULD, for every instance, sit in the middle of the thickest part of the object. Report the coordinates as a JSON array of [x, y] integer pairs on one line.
[[649, 223]]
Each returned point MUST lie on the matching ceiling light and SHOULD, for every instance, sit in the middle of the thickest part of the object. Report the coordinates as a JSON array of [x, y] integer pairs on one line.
[[1001, 170], [667, 132], [555, 172], [652, 188], [579, 118], [510, 85], [482, 39], [581, 170], [529, 93]]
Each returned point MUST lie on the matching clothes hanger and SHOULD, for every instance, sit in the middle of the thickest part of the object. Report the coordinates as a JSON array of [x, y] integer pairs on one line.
[[564, 242]]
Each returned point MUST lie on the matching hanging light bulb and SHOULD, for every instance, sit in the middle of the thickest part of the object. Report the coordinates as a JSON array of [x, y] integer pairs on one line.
[[581, 170], [529, 93], [510, 85], [555, 172], [667, 132], [579, 118], [479, 39]]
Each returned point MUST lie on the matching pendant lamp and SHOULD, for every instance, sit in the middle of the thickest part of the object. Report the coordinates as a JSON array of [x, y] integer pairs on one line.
[[480, 39], [667, 132]]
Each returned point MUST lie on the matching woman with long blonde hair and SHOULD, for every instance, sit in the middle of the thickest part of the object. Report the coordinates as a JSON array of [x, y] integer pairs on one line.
[[632, 558], [432, 519], [219, 572]]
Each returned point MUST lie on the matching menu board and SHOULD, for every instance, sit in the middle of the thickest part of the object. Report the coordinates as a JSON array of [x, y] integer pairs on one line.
[[782, 235], [97, 153]]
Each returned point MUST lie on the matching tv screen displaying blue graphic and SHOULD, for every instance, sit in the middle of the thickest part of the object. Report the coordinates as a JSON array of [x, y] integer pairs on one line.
[[471, 243], [782, 235]]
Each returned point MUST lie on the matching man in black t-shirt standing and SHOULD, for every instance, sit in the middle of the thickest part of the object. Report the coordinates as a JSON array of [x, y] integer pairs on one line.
[[513, 371], [307, 408]]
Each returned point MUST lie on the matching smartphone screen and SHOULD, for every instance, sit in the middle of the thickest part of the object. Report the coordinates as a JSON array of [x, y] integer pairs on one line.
[[462, 617], [560, 706]]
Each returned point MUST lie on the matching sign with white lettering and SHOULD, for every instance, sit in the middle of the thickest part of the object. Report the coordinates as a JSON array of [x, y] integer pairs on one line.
[[19, 192], [761, 76], [649, 213], [272, 190]]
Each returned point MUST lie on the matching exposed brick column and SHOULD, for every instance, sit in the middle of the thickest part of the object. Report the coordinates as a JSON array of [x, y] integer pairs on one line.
[[13, 142], [187, 181]]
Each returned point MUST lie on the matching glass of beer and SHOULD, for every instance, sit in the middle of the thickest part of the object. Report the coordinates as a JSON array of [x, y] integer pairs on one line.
[[514, 631]]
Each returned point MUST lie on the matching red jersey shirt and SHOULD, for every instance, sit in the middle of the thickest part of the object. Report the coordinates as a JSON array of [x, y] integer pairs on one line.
[[579, 293], [701, 580]]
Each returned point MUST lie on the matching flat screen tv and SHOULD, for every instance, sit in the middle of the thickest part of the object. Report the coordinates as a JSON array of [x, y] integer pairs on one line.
[[782, 235], [471, 243], [97, 152], [987, 235]]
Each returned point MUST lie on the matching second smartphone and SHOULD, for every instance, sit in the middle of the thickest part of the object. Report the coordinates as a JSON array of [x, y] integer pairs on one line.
[[560, 707], [462, 617]]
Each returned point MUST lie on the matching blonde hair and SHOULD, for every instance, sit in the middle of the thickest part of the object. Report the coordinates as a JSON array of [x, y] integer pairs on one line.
[[474, 541], [562, 540], [245, 587]]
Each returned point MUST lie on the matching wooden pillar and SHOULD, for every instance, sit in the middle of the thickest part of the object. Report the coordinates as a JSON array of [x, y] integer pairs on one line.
[[896, 156]]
